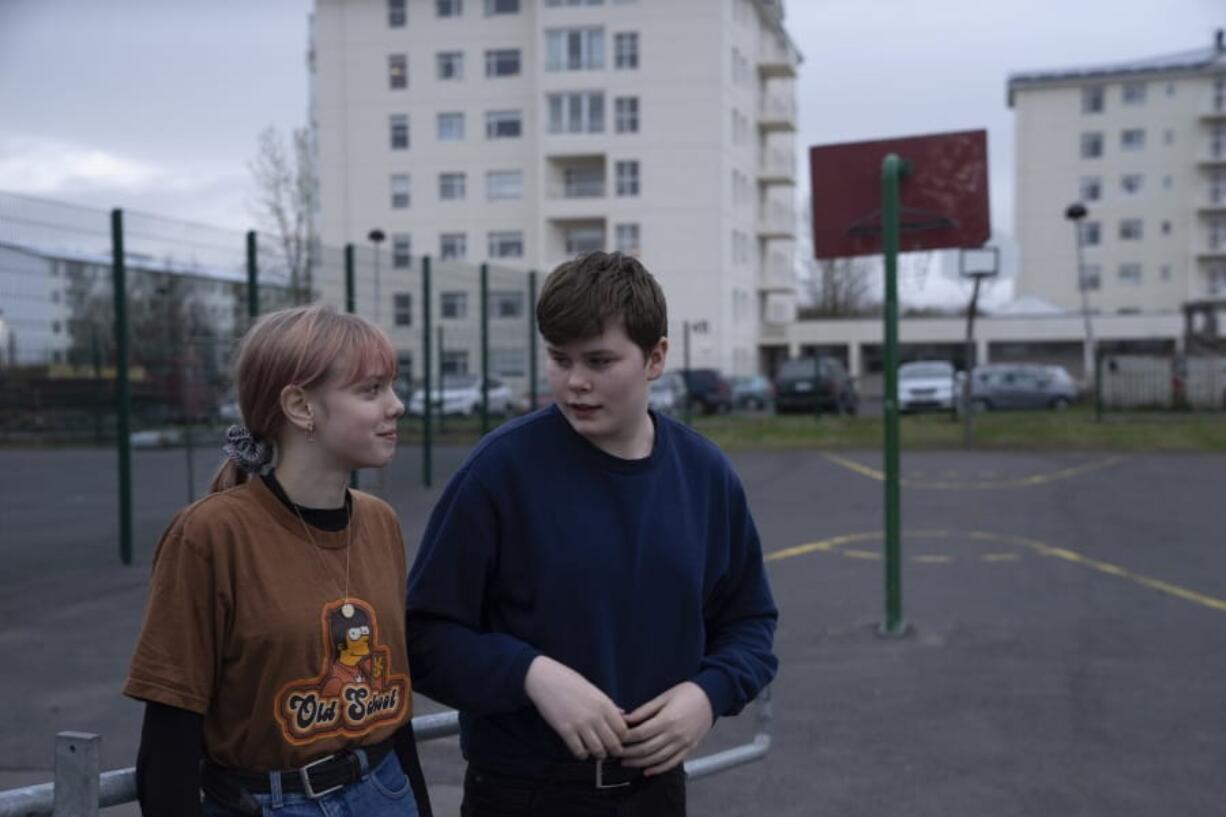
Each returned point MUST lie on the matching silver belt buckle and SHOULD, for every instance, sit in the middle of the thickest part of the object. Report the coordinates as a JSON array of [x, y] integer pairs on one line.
[[600, 784], [305, 774]]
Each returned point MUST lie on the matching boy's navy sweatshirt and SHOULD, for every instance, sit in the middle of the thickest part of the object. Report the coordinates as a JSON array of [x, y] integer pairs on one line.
[[637, 574]]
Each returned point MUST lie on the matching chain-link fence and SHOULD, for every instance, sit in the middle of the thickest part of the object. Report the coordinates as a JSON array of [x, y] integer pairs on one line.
[[118, 332]]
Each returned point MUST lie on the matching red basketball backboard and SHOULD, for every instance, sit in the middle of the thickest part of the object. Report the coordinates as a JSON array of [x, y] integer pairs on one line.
[[944, 195]]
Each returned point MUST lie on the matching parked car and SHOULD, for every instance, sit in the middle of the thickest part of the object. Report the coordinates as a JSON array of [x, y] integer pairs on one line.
[[752, 392], [1022, 386], [815, 384], [544, 397], [667, 393], [461, 394], [707, 390], [927, 384]]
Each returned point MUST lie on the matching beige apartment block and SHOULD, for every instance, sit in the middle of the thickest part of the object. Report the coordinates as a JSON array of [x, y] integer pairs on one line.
[[524, 132], [1142, 145]]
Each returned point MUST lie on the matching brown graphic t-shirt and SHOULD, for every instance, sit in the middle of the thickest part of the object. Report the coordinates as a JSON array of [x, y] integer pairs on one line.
[[248, 624]]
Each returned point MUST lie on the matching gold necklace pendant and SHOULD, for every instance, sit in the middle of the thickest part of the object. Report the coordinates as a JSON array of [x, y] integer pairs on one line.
[[347, 609]]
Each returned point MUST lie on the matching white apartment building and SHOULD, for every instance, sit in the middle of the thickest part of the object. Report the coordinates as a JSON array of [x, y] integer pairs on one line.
[[1142, 145], [524, 132]]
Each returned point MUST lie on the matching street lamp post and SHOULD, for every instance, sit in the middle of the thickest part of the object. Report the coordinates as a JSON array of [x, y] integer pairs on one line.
[[1075, 213], [376, 237]]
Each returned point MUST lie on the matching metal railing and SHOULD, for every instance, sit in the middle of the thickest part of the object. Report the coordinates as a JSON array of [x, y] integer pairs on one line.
[[80, 788]]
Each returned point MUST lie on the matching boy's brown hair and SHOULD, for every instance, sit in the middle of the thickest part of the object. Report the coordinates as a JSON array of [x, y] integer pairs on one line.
[[582, 296]]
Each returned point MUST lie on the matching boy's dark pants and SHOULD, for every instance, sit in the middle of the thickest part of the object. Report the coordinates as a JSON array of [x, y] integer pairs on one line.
[[489, 794]]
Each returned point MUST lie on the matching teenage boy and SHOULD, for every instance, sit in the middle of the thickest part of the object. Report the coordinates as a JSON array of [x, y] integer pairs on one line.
[[590, 591]]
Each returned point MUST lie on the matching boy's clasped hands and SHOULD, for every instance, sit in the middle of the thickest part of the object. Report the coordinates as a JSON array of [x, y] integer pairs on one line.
[[656, 737]]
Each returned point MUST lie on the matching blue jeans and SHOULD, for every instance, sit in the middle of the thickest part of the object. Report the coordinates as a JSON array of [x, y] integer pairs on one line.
[[382, 792]]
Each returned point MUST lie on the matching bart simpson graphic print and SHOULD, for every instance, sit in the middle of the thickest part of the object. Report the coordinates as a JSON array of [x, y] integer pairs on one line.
[[355, 690]]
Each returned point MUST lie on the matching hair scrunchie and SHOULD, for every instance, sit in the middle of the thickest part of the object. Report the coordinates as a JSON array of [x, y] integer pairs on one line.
[[247, 452]]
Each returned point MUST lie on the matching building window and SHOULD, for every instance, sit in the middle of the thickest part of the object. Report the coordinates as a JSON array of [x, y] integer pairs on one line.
[[454, 362], [493, 7], [1130, 273], [509, 362], [452, 246], [1092, 100], [1167, 182], [503, 124], [449, 8], [1130, 229], [1091, 145], [626, 114], [450, 64], [584, 239], [453, 305], [626, 50], [577, 112], [400, 191], [451, 127], [504, 184], [502, 62], [451, 186], [507, 244], [399, 124], [395, 13], [397, 71], [574, 49], [1132, 139], [1134, 93], [1091, 188], [402, 250], [1131, 183], [1165, 272], [507, 304], [1168, 136], [626, 239], [583, 182], [559, 3], [1090, 233], [627, 176], [402, 309], [1166, 228], [1091, 277]]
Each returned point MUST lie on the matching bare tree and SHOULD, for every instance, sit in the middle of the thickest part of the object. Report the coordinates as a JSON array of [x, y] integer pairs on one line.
[[839, 287], [286, 184]]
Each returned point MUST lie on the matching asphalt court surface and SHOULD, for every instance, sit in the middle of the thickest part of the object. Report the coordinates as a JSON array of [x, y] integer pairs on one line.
[[1067, 653]]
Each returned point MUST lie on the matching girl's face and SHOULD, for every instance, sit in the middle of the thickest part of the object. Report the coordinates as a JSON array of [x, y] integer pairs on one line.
[[356, 422]]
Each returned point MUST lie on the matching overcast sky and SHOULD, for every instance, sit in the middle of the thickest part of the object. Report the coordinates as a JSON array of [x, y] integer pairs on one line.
[[155, 105]]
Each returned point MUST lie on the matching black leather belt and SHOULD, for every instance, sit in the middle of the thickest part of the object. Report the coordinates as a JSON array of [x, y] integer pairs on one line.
[[315, 779], [597, 774]]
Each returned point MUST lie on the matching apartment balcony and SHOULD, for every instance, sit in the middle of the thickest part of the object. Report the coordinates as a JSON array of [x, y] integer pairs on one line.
[[776, 114], [776, 278], [1212, 200], [576, 187], [1212, 154], [775, 224], [777, 167], [776, 58], [1214, 109]]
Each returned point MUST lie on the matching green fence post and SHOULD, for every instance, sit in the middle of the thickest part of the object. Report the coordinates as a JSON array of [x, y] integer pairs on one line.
[[253, 276], [892, 170], [426, 438], [350, 294], [442, 353], [532, 351], [350, 307], [687, 407], [485, 349], [123, 397], [1098, 385]]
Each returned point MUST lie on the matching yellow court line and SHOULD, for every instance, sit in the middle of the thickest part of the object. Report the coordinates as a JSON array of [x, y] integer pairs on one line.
[[1019, 482], [1042, 548]]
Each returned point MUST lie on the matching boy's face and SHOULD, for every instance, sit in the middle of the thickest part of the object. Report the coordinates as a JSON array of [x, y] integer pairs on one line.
[[601, 383]]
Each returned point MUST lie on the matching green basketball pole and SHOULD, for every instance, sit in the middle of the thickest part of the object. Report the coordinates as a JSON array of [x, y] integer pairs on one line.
[[892, 170]]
